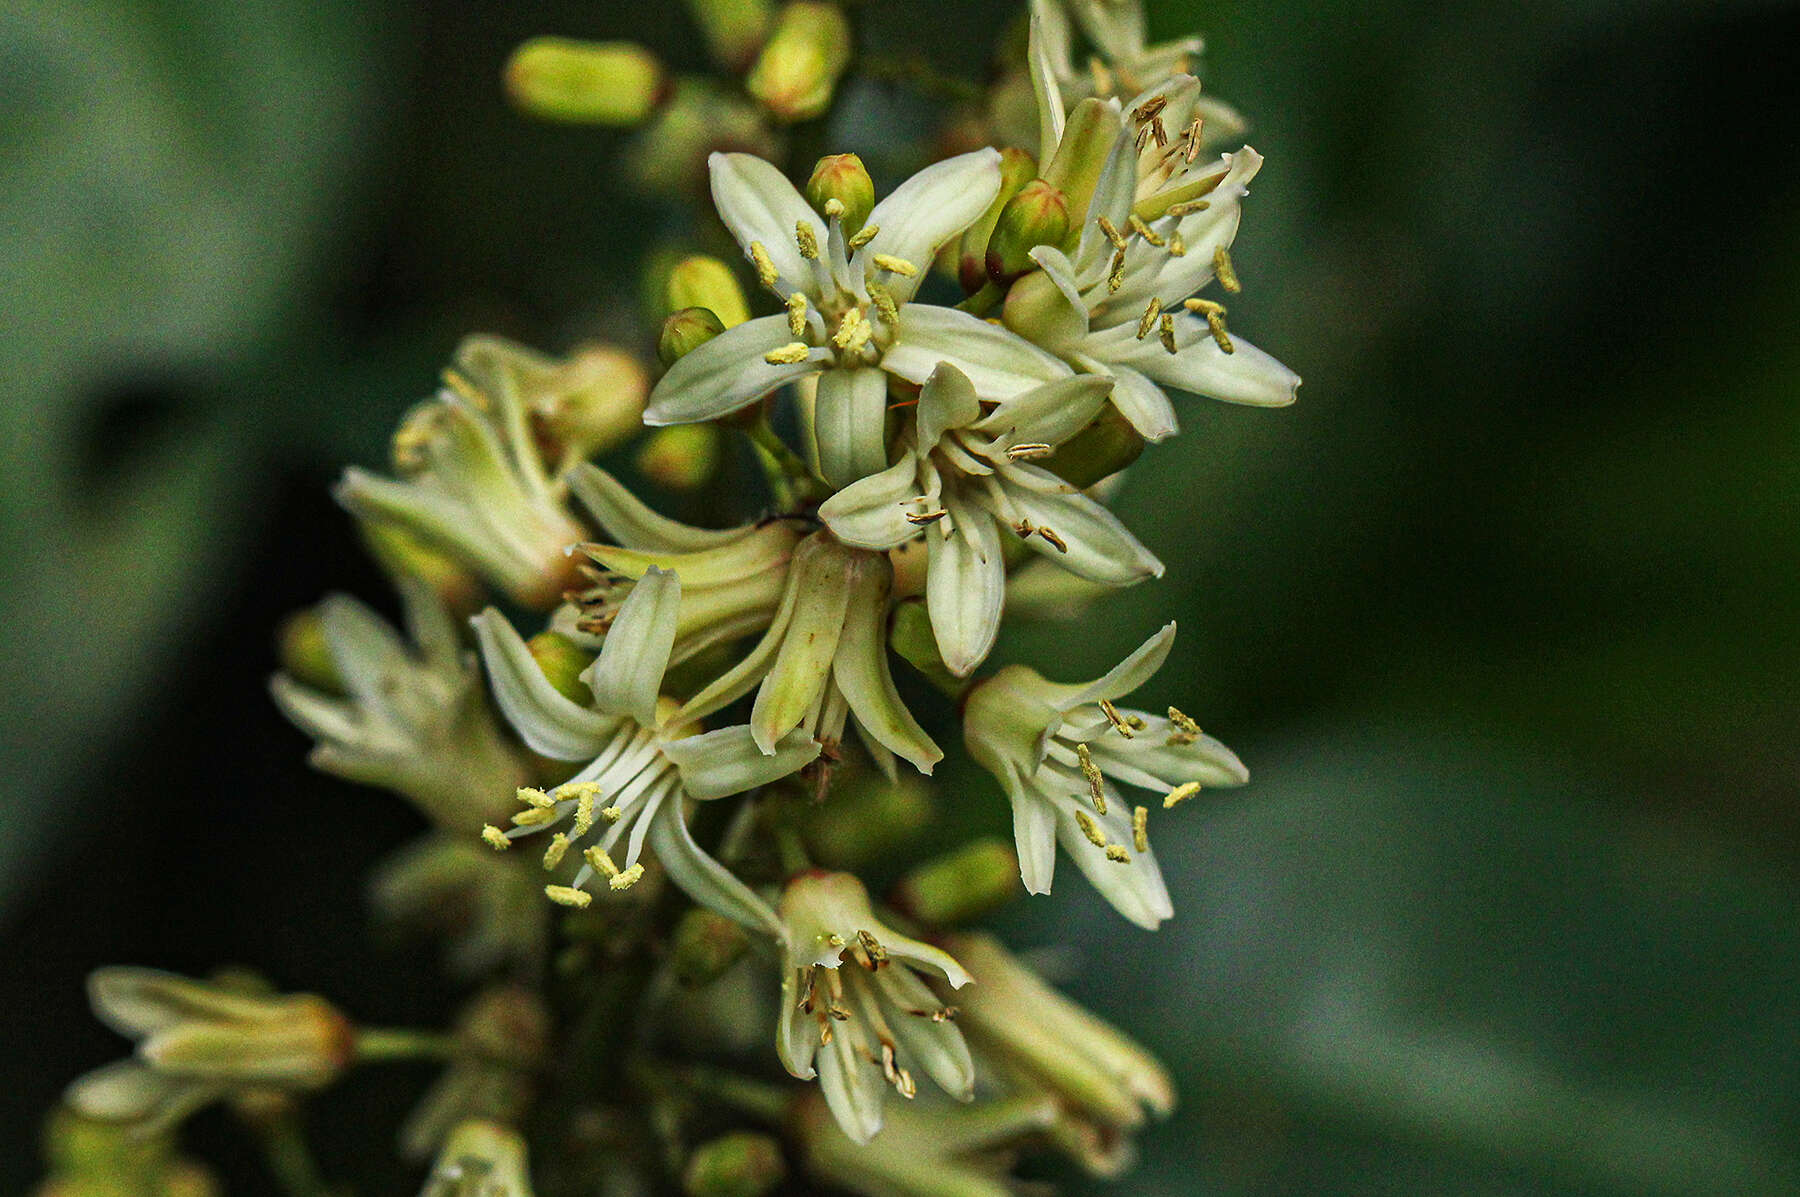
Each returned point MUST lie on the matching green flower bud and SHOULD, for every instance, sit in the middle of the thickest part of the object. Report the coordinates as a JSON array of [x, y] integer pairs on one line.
[[1087, 141], [962, 885], [742, 1164], [867, 818], [304, 654], [681, 457], [703, 281], [1037, 215], [1098, 451], [670, 157], [799, 68], [911, 636], [563, 662], [585, 83], [844, 178], [1017, 168], [685, 332], [480, 1158], [705, 946], [734, 29], [403, 555]]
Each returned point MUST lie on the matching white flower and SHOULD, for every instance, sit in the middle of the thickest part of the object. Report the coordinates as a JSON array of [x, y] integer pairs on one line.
[[967, 476], [849, 320], [473, 483], [1056, 750], [640, 765], [411, 718], [859, 1026]]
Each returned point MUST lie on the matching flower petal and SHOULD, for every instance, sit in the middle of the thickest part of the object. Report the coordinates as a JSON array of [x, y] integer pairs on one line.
[[544, 719], [1034, 832], [965, 585], [999, 362], [1143, 404], [947, 401], [1046, 46], [718, 764], [630, 523], [821, 589], [1049, 414], [1098, 546], [1245, 375], [701, 877], [927, 210], [128, 1091], [852, 1089], [870, 513], [850, 424], [627, 676], [860, 670], [758, 204], [934, 1045], [1135, 888], [1122, 678], [727, 373], [1114, 194], [796, 1035]]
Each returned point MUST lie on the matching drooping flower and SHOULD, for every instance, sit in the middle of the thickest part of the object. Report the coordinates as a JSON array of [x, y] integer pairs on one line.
[[966, 477], [1037, 1041], [1057, 749], [850, 317], [410, 717], [198, 1042], [927, 1150], [473, 480], [642, 765], [856, 1012]]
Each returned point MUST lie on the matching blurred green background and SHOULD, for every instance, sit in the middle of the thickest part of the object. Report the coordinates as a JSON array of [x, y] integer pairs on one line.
[[1501, 614]]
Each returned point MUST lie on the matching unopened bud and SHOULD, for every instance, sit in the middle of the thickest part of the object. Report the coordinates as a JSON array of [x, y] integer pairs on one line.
[[741, 1164], [1038, 215], [844, 178], [799, 68], [1081, 155], [1017, 168], [480, 1159], [593, 400], [404, 555], [703, 281], [1098, 451], [705, 947], [680, 457], [701, 117], [962, 885], [734, 29], [685, 332], [912, 637], [304, 654], [867, 819], [585, 83], [563, 662]]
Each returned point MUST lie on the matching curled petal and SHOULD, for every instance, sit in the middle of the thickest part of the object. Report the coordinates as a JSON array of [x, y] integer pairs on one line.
[[850, 424], [701, 877], [727, 373], [930, 208], [871, 512], [852, 1089], [860, 670], [627, 677], [947, 401], [718, 764], [1144, 405], [1122, 678], [547, 721], [632, 524]]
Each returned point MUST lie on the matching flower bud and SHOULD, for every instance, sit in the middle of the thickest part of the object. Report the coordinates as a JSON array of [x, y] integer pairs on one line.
[[844, 178], [304, 653], [734, 29], [867, 819], [1087, 141], [1017, 168], [593, 400], [1098, 451], [685, 332], [962, 885], [670, 156], [741, 1164], [705, 946], [680, 457], [703, 281], [799, 68], [911, 637], [1033, 306], [480, 1159], [403, 555], [1037, 215], [585, 83], [563, 662]]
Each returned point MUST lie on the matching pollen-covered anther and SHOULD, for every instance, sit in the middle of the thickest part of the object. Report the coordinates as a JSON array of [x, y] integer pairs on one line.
[[893, 265], [885, 303], [1029, 451], [796, 313], [864, 235], [1180, 794], [1147, 321], [1091, 773], [535, 798], [1190, 136], [601, 862], [568, 895], [1177, 247], [1222, 267], [1149, 108], [1056, 542], [1112, 233], [1115, 275], [584, 815], [1215, 321], [1186, 730], [612, 814], [1188, 208], [534, 817], [765, 265], [1090, 829], [1118, 854], [787, 355], [922, 518], [853, 331], [1140, 828], [872, 946], [1117, 720], [627, 879], [495, 838], [1146, 232], [1166, 333], [558, 847], [807, 240]]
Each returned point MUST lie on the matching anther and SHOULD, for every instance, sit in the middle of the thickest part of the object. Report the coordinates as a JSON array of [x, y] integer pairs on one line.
[[534, 817], [559, 844], [495, 838], [1056, 542], [796, 306], [535, 798], [584, 814], [1167, 333], [1091, 772], [1215, 322], [1115, 277], [1180, 794], [1112, 232], [1191, 135], [628, 878], [920, 519], [1186, 730], [1146, 232], [1117, 854], [602, 863], [872, 946], [1149, 108], [787, 355], [612, 814], [1089, 829], [864, 235], [893, 265], [765, 265], [807, 240], [1188, 208], [884, 303], [1177, 247], [564, 895], [1117, 720], [1228, 278], [1029, 451], [1148, 320], [1140, 828]]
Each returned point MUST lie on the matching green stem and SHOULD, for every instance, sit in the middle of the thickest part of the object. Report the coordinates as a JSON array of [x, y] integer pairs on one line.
[[759, 1099], [289, 1157], [794, 856], [984, 301], [788, 476], [375, 1045]]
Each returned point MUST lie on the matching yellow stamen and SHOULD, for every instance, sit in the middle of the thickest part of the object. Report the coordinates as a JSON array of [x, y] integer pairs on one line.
[[535, 798], [765, 265], [612, 814], [1140, 828], [796, 306], [787, 355], [495, 838], [1180, 794], [864, 235], [1167, 333], [807, 240], [1188, 208], [1186, 730], [559, 844], [1089, 829], [1228, 278], [885, 303], [1148, 320], [533, 818], [564, 895], [893, 265], [1145, 231], [1091, 772], [602, 863], [1115, 277], [1029, 451], [584, 815], [1191, 135], [872, 946], [1117, 854], [628, 878], [1177, 247], [928, 517], [1112, 233], [1056, 542], [1215, 322], [1117, 720]]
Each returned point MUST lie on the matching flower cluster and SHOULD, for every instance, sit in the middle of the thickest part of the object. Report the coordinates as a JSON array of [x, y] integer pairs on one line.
[[701, 736]]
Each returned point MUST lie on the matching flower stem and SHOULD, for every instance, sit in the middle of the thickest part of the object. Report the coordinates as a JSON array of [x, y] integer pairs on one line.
[[288, 1155], [788, 476], [376, 1045]]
